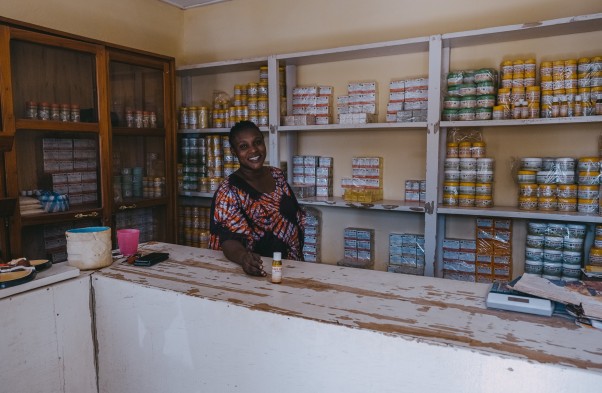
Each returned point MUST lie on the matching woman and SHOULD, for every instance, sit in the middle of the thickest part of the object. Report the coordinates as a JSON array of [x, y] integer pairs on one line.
[[254, 211]]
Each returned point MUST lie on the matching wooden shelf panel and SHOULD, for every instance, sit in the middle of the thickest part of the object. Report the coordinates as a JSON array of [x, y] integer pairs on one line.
[[524, 122], [44, 125], [211, 130], [126, 131], [219, 67], [352, 127], [388, 205], [196, 194], [513, 212], [76, 213], [139, 203]]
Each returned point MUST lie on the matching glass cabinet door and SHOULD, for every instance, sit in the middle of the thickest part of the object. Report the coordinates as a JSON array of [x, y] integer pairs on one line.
[[141, 144]]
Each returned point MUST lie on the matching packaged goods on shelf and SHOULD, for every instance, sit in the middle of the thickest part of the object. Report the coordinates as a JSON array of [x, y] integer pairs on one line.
[[408, 100], [358, 248], [415, 190], [486, 258], [72, 166], [555, 250], [361, 99], [193, 225], [55, 242], [142, 219], [406, 253], [315, 101], [312, 232], [312, 176], [299, 120], [559, 184], [470, 95], [366, 183], [594, 260]]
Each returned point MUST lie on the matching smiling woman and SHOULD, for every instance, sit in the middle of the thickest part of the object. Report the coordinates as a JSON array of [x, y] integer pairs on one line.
[[254, 212]]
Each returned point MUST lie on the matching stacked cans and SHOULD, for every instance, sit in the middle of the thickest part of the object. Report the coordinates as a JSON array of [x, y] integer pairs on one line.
[[193, 167], [470, 95], [193, 228], [548, 184], [555, 250], [595, 252], [518, 97], [468, 179], [311, 244]]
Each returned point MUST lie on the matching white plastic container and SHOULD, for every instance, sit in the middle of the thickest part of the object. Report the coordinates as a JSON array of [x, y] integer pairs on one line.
[[89, 248]]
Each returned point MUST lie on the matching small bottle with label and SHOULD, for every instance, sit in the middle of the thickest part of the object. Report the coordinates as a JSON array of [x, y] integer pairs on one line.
[[564, 107], [277, 268]]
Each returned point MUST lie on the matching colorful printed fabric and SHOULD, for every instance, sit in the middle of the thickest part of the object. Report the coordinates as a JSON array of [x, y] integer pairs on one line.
[[263, 223]]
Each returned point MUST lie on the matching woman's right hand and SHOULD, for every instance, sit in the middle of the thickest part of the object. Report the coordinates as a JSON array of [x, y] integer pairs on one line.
[[252, 264]]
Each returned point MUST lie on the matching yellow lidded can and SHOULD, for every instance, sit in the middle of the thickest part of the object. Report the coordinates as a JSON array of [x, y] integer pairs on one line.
[[547, 203], [528, 190], [466, 200], [567, 204], [483, 201], [527, 203]]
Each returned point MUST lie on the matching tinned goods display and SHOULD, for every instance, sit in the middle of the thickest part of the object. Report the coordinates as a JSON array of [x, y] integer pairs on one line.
[[486, 258], [204, 162], [406, 253], [193, 225], [468, 172], [54, 112], [470, 95], [312, 176], [555, 250], [594, 260], [311, 233], [358, 248], [408, 100], [143, 219], [560, 184], [360, 105], [366, 183]]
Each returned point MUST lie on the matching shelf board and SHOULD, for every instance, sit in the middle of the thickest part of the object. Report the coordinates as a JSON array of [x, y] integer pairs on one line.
[[196, 194], [6, 142], [523, 122], [354, 52], [126, 131], [48, 125], [513, 212], [351, 127], [139, 203], [211, 130], [71, 215], [388, 205], [218, 67], [524, 31]]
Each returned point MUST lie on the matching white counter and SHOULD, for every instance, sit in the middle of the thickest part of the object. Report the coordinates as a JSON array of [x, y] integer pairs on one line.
[[197, 323]]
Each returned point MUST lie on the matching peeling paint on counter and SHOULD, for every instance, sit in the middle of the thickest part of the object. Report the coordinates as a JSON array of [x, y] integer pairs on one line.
[[436, 311]]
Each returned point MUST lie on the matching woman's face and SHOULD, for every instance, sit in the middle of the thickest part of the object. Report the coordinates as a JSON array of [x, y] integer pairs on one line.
[[250, 149]]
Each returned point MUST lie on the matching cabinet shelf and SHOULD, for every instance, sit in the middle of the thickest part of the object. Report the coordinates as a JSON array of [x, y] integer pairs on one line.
[[351, 127], [219, 67], [513, 212], [523, 122], [126, 131], [388, 205], [138, 203], [47, 125], [196, 194], [81, 212]]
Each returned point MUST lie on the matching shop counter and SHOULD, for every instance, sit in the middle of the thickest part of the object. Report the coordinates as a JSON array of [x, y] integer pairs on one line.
[[197, 323]]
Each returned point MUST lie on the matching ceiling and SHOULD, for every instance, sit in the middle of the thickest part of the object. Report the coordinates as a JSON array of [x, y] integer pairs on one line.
[[186, 4]]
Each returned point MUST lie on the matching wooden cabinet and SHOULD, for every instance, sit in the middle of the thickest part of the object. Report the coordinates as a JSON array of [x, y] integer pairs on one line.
[[419, 146], [59, 100]]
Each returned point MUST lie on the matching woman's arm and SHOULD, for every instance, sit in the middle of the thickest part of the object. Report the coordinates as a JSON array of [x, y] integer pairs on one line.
[[251, 262]]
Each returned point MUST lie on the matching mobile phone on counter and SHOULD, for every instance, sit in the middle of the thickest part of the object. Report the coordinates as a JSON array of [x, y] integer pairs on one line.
[[151, 259]]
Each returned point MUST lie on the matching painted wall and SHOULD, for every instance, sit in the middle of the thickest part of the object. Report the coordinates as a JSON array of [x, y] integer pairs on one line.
[[248, 28], [142, 24]]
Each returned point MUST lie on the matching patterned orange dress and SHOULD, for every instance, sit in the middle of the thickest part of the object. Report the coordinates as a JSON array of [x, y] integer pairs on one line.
[[262, 222]]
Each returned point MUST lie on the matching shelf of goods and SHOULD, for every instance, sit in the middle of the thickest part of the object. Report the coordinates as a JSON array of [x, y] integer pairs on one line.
[[512, 138], [59, 114], [422, 142]]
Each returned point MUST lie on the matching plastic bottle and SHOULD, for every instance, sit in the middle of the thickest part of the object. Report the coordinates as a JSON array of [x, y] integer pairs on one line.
[[277, 268]]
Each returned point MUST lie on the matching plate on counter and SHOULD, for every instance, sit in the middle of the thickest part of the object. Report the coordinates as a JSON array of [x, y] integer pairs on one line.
[[10, 279], [40, 264]]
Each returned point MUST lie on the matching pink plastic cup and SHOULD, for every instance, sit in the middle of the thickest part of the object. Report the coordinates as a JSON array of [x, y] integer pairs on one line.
[[127, 239]]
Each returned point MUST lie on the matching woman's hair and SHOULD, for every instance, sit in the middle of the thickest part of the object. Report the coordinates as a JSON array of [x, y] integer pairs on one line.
[[239, 127]]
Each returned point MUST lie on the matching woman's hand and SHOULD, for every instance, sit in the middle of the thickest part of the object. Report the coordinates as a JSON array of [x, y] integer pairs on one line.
[[252, 264]]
